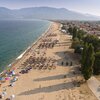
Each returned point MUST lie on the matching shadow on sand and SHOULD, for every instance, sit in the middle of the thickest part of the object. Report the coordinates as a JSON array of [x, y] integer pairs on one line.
[[57, 77], [67, 57], [48, 89]]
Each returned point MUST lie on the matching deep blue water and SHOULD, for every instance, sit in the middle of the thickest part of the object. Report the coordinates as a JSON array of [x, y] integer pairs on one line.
[[16, 36]]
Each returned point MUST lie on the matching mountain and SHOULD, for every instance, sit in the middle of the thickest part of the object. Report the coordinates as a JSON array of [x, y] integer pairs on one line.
[[44, 13]]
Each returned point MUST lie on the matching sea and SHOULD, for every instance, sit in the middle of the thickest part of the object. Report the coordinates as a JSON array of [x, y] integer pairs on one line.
[[16, 36]]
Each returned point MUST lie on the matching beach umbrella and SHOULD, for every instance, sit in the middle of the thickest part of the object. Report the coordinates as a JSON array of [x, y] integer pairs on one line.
[[15, 79], [12, 97], [7, 78], [4, 93], [1, 78], [13, 72]]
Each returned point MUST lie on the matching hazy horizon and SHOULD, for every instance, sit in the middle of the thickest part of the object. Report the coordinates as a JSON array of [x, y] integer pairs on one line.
[[50, 7], [85, 6]]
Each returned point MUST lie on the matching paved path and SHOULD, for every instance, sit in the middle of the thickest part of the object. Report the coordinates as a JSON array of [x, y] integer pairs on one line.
[[94, 85]]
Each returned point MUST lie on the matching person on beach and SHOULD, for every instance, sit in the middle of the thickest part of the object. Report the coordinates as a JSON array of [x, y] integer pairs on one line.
[[66, 63], [71, 63], [62, 63]]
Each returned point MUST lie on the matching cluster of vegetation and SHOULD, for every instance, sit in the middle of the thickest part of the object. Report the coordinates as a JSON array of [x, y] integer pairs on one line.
[[88, 46], [87, 61]]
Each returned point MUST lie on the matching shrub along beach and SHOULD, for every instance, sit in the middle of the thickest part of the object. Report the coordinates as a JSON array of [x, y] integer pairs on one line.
[[50, 70]]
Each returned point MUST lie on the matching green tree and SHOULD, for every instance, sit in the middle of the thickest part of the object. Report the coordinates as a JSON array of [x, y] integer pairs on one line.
[[96, 66], [88, 61], [94, 40], [74, 32], [83, 59], [70, 30], [80, 34]]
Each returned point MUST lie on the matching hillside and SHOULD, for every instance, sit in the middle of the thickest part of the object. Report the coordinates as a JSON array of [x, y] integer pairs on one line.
[[44, 13]]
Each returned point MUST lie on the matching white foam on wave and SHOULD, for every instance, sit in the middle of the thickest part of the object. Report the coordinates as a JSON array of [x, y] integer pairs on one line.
[[19, 57]]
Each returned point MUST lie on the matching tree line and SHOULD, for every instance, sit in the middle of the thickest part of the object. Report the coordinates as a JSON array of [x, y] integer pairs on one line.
[[88, 46]]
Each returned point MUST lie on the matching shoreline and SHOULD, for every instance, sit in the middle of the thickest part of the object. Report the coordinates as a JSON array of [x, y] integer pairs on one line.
[[34, 43], [25, 51]]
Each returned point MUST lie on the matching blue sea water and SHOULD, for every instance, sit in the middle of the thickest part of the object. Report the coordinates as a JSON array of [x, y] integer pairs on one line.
[[16, 36]]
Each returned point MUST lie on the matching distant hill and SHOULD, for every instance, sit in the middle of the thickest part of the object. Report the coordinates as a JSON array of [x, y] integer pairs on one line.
[[44, 13]]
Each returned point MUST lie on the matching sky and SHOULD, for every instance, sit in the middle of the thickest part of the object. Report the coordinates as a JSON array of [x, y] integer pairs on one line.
[[83, 6]]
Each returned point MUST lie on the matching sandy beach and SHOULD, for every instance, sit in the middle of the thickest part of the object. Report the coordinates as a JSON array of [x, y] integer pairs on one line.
[[57, 77]]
